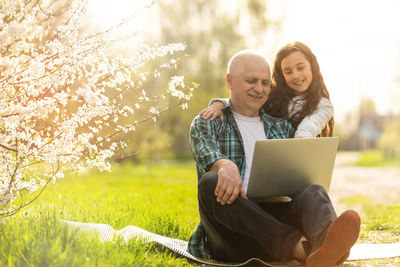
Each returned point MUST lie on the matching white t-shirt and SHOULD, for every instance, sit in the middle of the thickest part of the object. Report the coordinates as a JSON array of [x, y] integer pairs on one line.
[[251, 130]]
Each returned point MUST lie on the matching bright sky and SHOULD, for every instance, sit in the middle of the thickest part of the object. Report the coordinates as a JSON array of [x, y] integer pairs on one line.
[[106, 12], [356, 43]]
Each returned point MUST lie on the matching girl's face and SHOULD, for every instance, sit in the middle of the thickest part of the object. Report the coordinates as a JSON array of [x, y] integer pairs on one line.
[[297, 72]]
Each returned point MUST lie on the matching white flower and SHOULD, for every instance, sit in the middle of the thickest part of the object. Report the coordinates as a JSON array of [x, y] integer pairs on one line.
[[60, 97]]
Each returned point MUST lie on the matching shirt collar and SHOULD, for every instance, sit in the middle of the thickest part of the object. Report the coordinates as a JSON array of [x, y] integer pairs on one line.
[[266, 118]]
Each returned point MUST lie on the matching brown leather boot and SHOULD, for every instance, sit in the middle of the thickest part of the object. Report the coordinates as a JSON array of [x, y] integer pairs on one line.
[[342, 234]]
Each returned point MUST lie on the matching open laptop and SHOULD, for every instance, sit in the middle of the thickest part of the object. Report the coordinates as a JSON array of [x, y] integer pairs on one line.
[[280, 167]]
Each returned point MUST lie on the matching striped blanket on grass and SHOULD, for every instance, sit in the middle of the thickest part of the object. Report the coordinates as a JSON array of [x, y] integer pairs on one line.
[[106, 234]]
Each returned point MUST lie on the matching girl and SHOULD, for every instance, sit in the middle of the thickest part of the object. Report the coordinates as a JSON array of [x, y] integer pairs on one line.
[[298, 93]]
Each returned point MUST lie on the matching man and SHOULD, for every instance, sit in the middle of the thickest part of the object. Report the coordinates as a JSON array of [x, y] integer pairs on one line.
[[235, 228]]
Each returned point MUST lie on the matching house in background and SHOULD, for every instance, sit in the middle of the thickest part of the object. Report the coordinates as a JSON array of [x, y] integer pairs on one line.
[[370, 129], [367, 134]]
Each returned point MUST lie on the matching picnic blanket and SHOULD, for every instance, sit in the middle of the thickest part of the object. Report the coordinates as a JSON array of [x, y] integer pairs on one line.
[[106, 234]]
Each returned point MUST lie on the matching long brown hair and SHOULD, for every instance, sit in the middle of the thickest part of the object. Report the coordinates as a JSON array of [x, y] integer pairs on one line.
[[281, 93]]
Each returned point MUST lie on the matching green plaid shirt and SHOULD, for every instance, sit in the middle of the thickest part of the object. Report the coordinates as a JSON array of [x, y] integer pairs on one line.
[[211, 140]]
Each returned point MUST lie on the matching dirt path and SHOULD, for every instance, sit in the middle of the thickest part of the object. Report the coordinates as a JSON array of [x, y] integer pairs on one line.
[[380, 184]]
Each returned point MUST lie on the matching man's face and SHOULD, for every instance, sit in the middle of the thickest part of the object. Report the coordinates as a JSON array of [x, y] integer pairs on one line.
[[250, 86]]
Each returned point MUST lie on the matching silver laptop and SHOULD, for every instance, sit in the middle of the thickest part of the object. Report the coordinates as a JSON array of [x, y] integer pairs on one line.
[[280, 167]]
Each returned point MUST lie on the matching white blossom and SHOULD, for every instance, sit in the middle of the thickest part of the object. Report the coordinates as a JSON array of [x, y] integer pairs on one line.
[[60, 92]]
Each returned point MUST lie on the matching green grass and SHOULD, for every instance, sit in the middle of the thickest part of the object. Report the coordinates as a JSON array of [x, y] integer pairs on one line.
[[383, 218], [379, 224], [377, 218], [376, 158], [159, 198]]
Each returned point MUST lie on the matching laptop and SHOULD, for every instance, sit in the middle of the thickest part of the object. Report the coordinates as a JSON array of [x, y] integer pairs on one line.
[[281, 167]]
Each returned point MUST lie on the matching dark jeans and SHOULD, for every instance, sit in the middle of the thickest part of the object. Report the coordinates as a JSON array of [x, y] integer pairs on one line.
[[269, 231]]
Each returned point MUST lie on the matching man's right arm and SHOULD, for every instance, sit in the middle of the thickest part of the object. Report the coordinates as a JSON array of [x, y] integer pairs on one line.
[[204, 144], [208, 156]]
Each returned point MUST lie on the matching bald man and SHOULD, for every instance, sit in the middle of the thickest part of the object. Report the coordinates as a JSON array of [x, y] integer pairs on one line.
[[234, 227]]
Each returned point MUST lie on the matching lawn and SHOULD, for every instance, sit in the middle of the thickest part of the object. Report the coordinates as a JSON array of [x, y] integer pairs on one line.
[[375, 158], [159, 198]]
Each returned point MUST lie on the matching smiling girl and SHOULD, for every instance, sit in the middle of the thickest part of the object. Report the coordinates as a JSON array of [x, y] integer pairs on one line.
[[298, 93]]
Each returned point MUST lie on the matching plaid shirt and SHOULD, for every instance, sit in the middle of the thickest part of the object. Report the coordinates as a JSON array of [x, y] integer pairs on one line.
[[211, 140]]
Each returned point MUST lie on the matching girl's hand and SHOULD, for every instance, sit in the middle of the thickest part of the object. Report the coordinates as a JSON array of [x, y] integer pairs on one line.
[[213, 111]]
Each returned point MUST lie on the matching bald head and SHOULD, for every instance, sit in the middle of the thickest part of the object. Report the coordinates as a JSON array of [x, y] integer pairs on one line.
[[242, 59], [249, 80]]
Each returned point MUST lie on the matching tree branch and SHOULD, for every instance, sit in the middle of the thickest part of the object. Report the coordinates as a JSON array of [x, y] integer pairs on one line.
[[8, 148]]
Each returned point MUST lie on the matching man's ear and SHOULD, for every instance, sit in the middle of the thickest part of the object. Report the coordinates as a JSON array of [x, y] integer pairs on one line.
[[228, 79]]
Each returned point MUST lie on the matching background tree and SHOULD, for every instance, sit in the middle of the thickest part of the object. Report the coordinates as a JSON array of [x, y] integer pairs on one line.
[[60, 107], [213, 32], [389, 140], [367, 105]]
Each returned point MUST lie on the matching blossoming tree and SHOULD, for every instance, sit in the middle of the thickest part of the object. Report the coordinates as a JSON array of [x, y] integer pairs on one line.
[[60, 95]]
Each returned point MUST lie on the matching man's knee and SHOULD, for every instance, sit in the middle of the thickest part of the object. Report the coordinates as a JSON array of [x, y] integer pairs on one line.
[[311, 192], [316, 188], [315, 193], [207, 183]]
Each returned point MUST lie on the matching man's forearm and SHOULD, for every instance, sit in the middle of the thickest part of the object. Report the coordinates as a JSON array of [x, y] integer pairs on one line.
[[204, 144]]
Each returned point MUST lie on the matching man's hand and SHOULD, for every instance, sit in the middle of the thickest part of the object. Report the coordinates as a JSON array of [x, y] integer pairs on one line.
[[229, 185]]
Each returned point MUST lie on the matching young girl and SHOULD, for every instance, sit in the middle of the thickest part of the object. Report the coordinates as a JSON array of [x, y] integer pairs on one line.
[[298, 93]]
